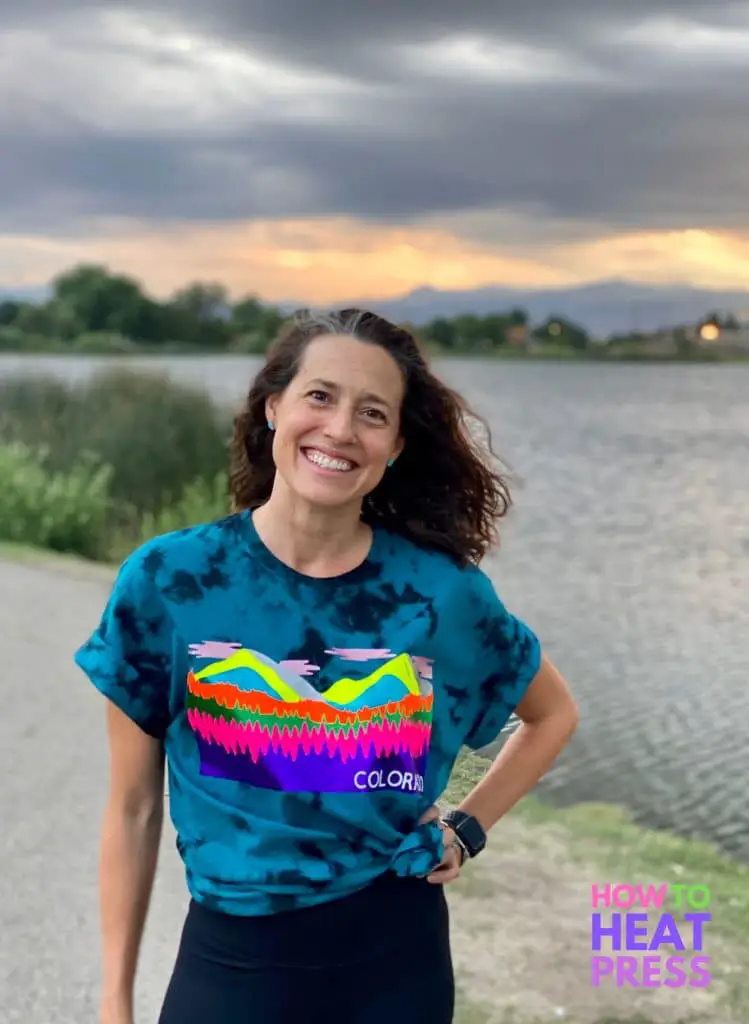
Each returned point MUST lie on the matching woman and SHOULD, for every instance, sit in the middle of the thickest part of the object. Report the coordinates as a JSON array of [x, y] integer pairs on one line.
[[311, 666]]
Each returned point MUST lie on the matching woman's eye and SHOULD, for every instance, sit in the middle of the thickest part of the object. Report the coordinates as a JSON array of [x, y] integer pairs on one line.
[[319, 396], [377, 414]]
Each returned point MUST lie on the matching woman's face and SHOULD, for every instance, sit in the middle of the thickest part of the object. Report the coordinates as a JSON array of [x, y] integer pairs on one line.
[[338, 422]]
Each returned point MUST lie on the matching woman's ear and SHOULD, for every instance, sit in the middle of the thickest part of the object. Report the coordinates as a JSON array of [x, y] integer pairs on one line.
[[270, 408]]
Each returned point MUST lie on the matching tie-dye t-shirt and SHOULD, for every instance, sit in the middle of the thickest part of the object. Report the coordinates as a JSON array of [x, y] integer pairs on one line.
[[307, 723]]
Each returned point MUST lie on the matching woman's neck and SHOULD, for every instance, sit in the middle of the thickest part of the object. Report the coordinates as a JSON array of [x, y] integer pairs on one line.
[[310, 539]]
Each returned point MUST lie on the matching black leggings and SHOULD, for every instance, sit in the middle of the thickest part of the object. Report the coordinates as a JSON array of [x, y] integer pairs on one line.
[[381, 956]]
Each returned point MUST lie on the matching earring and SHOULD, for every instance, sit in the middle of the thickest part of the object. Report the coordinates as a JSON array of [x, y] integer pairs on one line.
[[270, 426], [391, 462]]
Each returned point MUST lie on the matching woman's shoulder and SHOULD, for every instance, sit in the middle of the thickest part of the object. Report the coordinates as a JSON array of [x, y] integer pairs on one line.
[[188, 550], [436, 566]]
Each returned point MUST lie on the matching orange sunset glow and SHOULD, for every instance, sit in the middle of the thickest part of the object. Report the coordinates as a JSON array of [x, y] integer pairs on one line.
[[339, 260]]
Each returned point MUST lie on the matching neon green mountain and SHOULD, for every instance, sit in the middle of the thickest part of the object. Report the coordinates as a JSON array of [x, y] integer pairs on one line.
[[346, 691], [244, 659], [291, 688]]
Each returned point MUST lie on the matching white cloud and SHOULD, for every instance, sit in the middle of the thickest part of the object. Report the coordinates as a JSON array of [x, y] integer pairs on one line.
[[491, 60], [689, 40], [122, 71]]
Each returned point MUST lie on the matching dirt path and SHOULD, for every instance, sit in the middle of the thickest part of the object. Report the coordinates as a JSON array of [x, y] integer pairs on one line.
[[521, 915]]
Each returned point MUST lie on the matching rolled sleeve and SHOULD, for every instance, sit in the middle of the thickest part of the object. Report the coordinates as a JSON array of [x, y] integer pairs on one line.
[[128, 657]]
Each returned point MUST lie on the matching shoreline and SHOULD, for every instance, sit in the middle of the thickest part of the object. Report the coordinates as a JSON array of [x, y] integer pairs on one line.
[[707, 357]]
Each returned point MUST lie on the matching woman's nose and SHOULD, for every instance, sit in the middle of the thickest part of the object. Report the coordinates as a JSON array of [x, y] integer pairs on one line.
[[340, 424]]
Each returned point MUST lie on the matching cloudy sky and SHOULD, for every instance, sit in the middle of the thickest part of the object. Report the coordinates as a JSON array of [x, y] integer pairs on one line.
[[323, 150]]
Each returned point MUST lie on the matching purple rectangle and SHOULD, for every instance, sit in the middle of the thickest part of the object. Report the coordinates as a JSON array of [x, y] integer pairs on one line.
[[315, 773]]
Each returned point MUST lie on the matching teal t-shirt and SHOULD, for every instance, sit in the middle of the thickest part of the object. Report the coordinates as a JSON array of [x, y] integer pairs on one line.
[[307, 723]]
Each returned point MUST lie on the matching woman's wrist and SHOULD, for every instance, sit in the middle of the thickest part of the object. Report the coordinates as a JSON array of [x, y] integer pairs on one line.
[[451, 841], [116, 1009]]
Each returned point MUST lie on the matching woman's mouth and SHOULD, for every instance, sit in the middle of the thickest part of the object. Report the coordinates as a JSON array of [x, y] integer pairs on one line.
[[332, 463]]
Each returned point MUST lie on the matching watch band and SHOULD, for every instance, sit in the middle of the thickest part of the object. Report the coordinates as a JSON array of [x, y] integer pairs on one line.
[[469, 833]]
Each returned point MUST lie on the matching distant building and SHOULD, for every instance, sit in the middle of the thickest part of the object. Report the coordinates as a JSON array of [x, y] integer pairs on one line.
[[730, 339], [517, 335], [662, 343]]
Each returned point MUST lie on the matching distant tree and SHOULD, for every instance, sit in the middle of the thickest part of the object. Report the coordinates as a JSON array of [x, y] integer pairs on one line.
[[205, 302], [99, 300], [562, 332], [495, 329], [203, 312], [9, 310], [725, 321], [53, 319], [251, 316], [518, 318], [442, 332]]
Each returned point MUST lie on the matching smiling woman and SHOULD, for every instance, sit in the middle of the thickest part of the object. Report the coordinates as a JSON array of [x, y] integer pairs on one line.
[[353, 386], [311, 667]]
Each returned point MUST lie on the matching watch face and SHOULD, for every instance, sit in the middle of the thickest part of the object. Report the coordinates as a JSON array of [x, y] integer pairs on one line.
[[470, 832], [475, 838]]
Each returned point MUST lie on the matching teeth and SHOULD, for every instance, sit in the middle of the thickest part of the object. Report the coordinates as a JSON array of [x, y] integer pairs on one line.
[[326, 462]]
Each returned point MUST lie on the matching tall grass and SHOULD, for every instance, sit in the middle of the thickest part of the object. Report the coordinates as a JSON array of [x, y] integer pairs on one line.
[[96, 468]]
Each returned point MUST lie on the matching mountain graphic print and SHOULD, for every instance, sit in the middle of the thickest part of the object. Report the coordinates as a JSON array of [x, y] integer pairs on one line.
[[259, 721]]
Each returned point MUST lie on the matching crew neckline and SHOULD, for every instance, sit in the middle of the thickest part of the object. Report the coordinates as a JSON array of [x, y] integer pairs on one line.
[[272, 562]]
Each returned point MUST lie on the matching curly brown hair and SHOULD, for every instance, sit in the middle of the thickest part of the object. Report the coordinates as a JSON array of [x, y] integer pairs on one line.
[[441, 492]]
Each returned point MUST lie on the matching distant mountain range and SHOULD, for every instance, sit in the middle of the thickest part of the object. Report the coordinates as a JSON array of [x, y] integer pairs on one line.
[[602, 308], [32, 293]]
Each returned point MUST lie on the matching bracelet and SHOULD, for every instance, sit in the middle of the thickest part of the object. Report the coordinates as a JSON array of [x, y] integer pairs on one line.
[[456, 842]]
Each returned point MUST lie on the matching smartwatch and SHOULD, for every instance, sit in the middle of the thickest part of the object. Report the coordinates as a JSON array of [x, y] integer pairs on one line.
[[468, 831]]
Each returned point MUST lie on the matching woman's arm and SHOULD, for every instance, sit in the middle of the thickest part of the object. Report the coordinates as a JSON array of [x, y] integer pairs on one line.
[[549, 717], [129, 850]]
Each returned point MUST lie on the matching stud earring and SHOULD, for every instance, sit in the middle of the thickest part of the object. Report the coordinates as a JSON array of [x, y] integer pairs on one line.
[[391, 462], [270, 426]]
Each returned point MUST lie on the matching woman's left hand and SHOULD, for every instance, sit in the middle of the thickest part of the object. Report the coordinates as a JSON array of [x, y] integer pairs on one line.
[[449, 867]]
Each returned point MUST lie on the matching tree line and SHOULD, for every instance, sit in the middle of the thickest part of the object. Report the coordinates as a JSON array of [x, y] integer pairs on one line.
[[91, 308]]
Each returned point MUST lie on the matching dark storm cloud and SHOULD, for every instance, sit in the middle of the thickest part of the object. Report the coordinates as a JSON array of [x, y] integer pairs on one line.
[[618, 130]]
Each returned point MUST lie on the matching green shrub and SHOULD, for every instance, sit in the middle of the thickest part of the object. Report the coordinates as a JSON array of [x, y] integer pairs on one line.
[[68, 512], [158, 437], [254, 343], [12, 339], [36, 411], [202, 501]]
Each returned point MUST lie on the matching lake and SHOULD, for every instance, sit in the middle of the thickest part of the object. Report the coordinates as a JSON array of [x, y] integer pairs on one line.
[[628, 552]]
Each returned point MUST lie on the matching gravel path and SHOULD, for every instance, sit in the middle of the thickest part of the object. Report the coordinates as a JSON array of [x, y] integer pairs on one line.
[[519, 916], [54, 766]]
